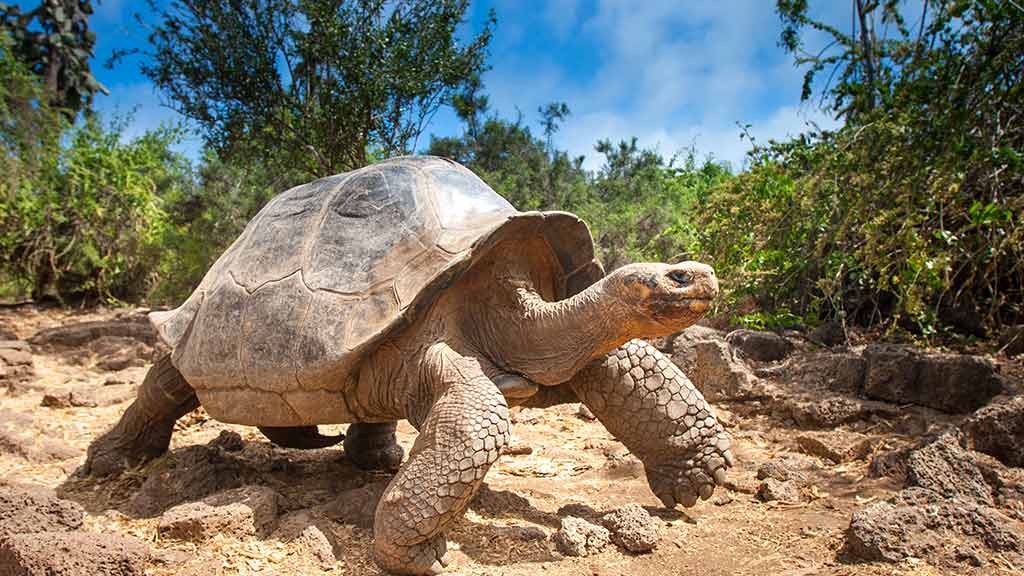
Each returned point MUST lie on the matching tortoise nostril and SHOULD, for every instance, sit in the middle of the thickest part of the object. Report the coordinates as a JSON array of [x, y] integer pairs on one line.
[[680, 277]]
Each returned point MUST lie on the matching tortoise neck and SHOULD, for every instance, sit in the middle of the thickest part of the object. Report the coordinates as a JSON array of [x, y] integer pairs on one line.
[[548, 342]]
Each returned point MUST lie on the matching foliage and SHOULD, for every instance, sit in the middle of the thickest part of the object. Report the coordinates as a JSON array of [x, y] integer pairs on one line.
[[911, 214], [90, 224], [54, 41], [312, 83]]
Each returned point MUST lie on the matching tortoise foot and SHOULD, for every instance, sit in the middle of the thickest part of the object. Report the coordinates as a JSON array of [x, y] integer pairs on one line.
[[426, 558], [120, 449], [374, 446]]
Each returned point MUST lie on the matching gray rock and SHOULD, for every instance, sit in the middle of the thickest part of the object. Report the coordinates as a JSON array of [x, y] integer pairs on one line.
[[956, 383], [828, 334], [26, 508], [632, 528], [240, 512], [356, 506], [922, 524], [577, 537], [72, 554], [187, 475], [82, 333], [89, 396], [716, 372], [785, 468], [308, 529], [831, 412], [760, 346], [947, 469], [781, 491], [841, 372], [836, 445], [998, 430]]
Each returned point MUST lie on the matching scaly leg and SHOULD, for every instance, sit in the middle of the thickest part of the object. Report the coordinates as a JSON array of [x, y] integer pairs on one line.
[[460, 438], [652, 407], [144, 431]]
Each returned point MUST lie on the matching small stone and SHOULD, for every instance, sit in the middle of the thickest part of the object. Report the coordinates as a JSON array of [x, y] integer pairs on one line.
[[632, 528], [229, 441], [245, 511], [780, 491], [722, 499], [838, 445], [577, 537]]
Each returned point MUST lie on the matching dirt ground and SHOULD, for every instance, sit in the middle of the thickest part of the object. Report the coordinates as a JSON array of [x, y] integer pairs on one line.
[[507, 531]]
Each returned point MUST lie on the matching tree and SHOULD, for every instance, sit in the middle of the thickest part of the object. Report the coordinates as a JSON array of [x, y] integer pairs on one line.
[[313, 83], [550, 118], [54, 41]]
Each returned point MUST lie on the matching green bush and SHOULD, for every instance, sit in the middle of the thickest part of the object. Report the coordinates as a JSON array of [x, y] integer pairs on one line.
[[89, 225]]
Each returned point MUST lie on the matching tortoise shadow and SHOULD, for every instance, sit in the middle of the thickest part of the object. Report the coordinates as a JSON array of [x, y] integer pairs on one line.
[[318, 488]]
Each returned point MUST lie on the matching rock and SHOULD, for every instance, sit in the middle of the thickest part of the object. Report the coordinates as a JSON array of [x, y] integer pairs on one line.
[[838, 445], [240, 512], [89, 397], [717, 373], [918, 523], [585, 413], [1011, 341], [785, 468], [998, 429], [19, 438], [955, 383], [841, 372], [187, 475], [228, 440], [947, 469], [82, 333], [16, 365], [632, 528], [72, 554], [26, 508], [775, 490], [831, 412], [356, 506], [308, 529], [577, 537], [690, 336], [760, 346], [829, 334]]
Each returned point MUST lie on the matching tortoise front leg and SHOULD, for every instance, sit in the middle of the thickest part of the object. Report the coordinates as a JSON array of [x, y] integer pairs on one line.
[[643, 399], [460, 438]]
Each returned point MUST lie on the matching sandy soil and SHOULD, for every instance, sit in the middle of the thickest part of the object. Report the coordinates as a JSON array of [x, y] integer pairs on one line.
[[573, 462]]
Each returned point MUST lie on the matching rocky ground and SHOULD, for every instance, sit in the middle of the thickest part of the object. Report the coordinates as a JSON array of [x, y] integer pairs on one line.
[[863, 459]]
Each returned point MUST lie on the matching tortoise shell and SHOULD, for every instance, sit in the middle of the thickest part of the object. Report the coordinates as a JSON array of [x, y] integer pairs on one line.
[[329, 269]]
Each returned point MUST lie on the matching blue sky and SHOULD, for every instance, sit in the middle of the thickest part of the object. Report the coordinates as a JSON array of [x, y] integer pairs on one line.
[[673, 73]]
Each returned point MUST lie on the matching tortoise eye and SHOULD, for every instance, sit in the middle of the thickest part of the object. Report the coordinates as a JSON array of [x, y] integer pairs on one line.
[[680, 277]]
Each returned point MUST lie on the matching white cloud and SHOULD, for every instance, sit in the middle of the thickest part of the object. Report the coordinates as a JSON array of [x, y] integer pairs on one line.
[[673, 74]]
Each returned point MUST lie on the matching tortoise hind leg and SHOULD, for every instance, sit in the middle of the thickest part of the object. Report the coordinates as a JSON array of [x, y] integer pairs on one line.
[[144, 431], [373, 446]]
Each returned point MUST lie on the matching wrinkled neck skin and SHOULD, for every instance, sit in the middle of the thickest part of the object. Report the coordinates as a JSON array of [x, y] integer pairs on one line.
[[509, 315]]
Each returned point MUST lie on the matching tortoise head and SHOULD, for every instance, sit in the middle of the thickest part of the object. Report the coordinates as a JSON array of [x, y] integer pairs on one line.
[[662, 299]]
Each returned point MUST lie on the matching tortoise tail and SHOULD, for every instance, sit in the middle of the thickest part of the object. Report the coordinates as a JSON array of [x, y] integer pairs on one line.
[[301, 437]]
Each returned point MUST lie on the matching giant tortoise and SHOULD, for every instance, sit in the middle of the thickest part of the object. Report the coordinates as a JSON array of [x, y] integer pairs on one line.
[[410, 290]]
